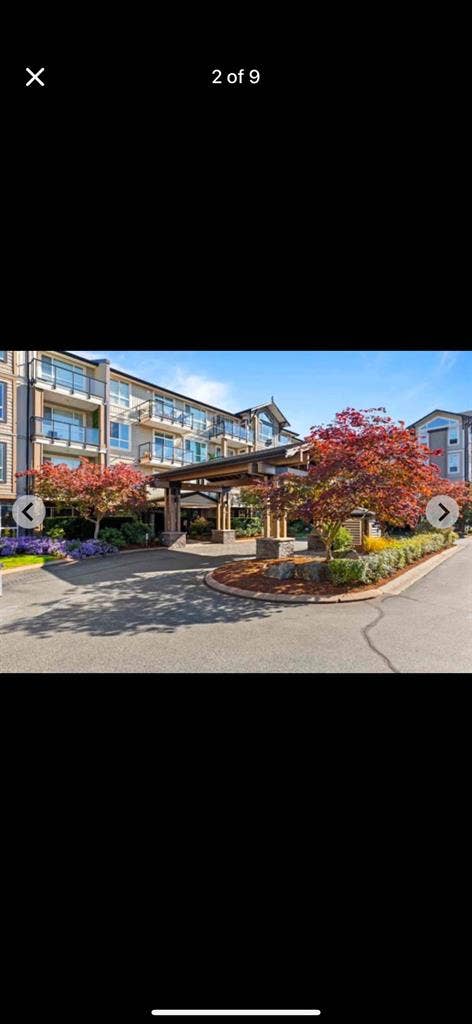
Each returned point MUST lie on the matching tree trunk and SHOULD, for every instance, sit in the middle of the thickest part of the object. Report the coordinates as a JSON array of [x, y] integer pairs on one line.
[[97, 529]]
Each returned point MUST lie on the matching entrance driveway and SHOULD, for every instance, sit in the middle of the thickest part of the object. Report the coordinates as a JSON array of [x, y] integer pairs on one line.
[[151, 612]]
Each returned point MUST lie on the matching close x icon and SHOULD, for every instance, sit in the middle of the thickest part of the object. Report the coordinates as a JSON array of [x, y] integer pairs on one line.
[[35, 77]]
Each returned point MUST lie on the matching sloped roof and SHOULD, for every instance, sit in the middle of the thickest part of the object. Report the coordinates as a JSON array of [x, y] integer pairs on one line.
[[279, 416], [443, 412]]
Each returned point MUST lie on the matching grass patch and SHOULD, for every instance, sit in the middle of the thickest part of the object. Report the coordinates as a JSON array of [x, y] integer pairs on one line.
[[14, 561]]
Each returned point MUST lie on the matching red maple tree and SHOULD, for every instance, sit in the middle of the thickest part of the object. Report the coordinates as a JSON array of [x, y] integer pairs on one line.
[[362, 459], [94, 491]]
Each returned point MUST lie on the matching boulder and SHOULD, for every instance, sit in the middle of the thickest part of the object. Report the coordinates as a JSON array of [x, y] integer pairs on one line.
[[346, 553], [282, 571], [311, 571]]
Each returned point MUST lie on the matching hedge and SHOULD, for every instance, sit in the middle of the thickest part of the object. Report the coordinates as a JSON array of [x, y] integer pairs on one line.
[[374, 567], [77, 528]]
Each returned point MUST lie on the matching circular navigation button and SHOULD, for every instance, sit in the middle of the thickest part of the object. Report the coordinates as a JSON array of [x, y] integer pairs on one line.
[[29, 511], [442, 511]]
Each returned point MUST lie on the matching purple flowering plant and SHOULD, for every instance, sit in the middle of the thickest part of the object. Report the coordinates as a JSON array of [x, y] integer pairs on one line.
[[10, 546]]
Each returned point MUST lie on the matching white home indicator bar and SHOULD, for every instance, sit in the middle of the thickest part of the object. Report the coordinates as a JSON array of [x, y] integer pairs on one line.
[[236, 1013]]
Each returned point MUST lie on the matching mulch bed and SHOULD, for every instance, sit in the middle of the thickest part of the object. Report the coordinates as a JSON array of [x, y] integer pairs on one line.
[[248, 575]]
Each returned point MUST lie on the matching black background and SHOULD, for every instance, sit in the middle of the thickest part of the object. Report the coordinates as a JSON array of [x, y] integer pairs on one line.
[[234, 840]]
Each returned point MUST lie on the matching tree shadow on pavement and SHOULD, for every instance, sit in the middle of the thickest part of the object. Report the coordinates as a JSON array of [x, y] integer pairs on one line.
[[124, 595]]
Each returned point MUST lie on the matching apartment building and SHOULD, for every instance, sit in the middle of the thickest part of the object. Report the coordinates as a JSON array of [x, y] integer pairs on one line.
[[69, 407], [8, 434], [452, 432]]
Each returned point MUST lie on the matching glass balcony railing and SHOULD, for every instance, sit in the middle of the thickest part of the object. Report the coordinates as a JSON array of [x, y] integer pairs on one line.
[[59, 430], [157, 451], [69, 380], [156, 410], [230, 429]]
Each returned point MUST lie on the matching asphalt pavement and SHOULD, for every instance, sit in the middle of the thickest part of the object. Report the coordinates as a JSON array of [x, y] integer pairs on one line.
[[152, 612]]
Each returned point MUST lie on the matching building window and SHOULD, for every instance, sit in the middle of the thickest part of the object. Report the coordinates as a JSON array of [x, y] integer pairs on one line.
[[453, 463], [265, 427], [60, 460], [453, 437], [3, 402], [67, 375], [199, 417], [53, 415], [119, 393], [164, 407], [3, 462], [120, 435], [163, 446], [196, 451], [3, 355]]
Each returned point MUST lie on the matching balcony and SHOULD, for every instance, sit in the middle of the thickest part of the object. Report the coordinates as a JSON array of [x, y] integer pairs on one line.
[[59, 434], [235, 432], [156, 413], [77, 390], [159, 454]]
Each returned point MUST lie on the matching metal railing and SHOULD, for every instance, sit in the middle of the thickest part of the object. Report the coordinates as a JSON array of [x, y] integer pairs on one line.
[[70, 380], [158, 452], [160, 410], [59, 430], [229, 429]]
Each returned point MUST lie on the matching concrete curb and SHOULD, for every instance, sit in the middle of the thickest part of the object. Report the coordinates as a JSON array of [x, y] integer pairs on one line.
[[391, 587]]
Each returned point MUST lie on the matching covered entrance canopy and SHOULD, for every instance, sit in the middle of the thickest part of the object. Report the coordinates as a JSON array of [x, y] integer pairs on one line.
[[219, 476]]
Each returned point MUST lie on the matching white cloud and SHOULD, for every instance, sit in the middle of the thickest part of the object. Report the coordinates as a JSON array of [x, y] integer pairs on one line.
[[88, 354], [214, 392], [447, 360]]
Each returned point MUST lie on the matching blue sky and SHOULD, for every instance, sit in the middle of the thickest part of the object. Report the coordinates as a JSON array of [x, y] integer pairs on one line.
[[309, 387]]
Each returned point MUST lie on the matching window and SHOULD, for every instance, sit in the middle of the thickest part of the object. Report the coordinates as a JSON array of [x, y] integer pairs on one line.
[[453, 437], [53, 414], [119, 393], [199, 417], [265, 427], [164, 407], [163, 446], [59, 460], [119, 435], [3, 462], [67, 375], [196, 451], [3, 402], [64, 424], [453, 463], [3, 355]]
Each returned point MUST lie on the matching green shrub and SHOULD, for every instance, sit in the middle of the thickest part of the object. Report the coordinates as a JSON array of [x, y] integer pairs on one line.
[[135, 533], [378, 566], [297, 526], [343, 539], [199, 527], [347, 570], [112, 536], [247, 526], [56, 533]]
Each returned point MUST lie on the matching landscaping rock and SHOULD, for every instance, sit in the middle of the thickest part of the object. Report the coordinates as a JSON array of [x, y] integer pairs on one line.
[[311, 571], [346, 553], [283, 571]]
